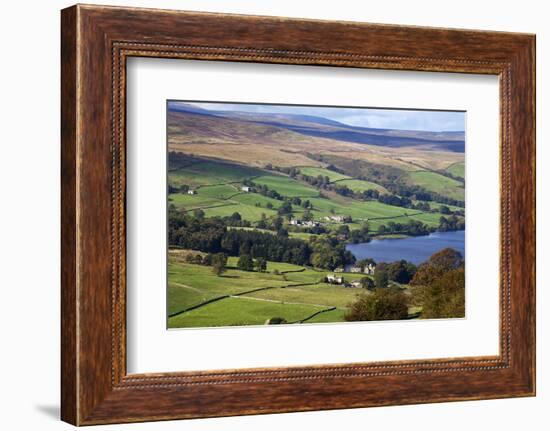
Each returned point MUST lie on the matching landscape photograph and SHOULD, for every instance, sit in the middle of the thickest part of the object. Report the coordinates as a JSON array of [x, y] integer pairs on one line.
[[297, 214]]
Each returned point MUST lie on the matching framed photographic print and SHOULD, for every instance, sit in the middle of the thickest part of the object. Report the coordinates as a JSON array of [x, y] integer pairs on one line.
[[260, 217]]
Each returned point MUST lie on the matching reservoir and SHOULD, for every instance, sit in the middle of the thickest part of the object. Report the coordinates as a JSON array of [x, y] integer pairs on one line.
[[416, 249]]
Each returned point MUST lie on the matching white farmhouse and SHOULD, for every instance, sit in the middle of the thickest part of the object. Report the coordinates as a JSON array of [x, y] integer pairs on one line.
[[245, 189], [335, 279], [369, 269], [191, 192], [311, 223]]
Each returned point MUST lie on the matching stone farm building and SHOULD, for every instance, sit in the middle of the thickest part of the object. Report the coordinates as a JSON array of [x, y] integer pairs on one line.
[[368, 269], [309, 223], [335, 279]]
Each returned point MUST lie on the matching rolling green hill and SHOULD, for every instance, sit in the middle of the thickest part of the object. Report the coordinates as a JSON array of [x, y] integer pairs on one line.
[[222, 200], [286, 186], [266, 168], [294, 294], [457, 169], [435, 182], [315, 171]]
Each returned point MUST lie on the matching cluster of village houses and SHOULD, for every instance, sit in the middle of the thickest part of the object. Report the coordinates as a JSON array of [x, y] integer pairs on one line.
[[339, 279], [312, 223], [308, 223], [296, 222]]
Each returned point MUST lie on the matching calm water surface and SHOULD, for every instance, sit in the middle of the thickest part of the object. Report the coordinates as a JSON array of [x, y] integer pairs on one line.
[[413, 249]]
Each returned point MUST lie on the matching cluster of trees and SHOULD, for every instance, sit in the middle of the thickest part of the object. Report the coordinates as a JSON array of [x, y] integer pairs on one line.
[[286, 208], [184, 188], [412, 227], [421, 194], [236, 220], [387, 176], [451, 223], [263, 190], [328, 252], [247, 263], [401, 272], [210, 235], [359, 235], [381, 304], [439, 285], [402, 195], [272, 223], [290, 171], [451, 176], [218, 261]]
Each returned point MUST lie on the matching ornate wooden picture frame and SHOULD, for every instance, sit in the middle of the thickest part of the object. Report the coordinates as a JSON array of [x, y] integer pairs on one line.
[[96, 41]]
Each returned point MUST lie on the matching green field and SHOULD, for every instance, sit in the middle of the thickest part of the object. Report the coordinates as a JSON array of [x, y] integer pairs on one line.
[[222, 191], [286, 186], [336, 177], [315, 172], [457, 169], [256, 199], [240, 312], [328, 317], [376, 212], [437, 183], [222, 197], [208, 173], [324, 295], [247, 212], [238, 163], [294, 293], [361, 185]]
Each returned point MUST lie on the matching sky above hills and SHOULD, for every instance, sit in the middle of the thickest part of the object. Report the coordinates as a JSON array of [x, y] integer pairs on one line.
[[400, 119]]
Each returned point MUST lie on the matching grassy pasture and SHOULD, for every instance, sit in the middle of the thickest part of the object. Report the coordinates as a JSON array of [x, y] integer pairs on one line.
[[315, 172], [247, 212], [239, 312], [183, 200], [359, 209], [225, 172], [457, 169], [287, 186], [324, 295], [191, 284], [301, 235], [193, 179], [328, 317], [361, 185], [221, 191], [436, 183], [225, 199], [210, 172], [255, 198]]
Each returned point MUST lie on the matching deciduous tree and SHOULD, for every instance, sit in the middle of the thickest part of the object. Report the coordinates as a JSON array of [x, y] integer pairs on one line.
[[382, 304], [219, 260]]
